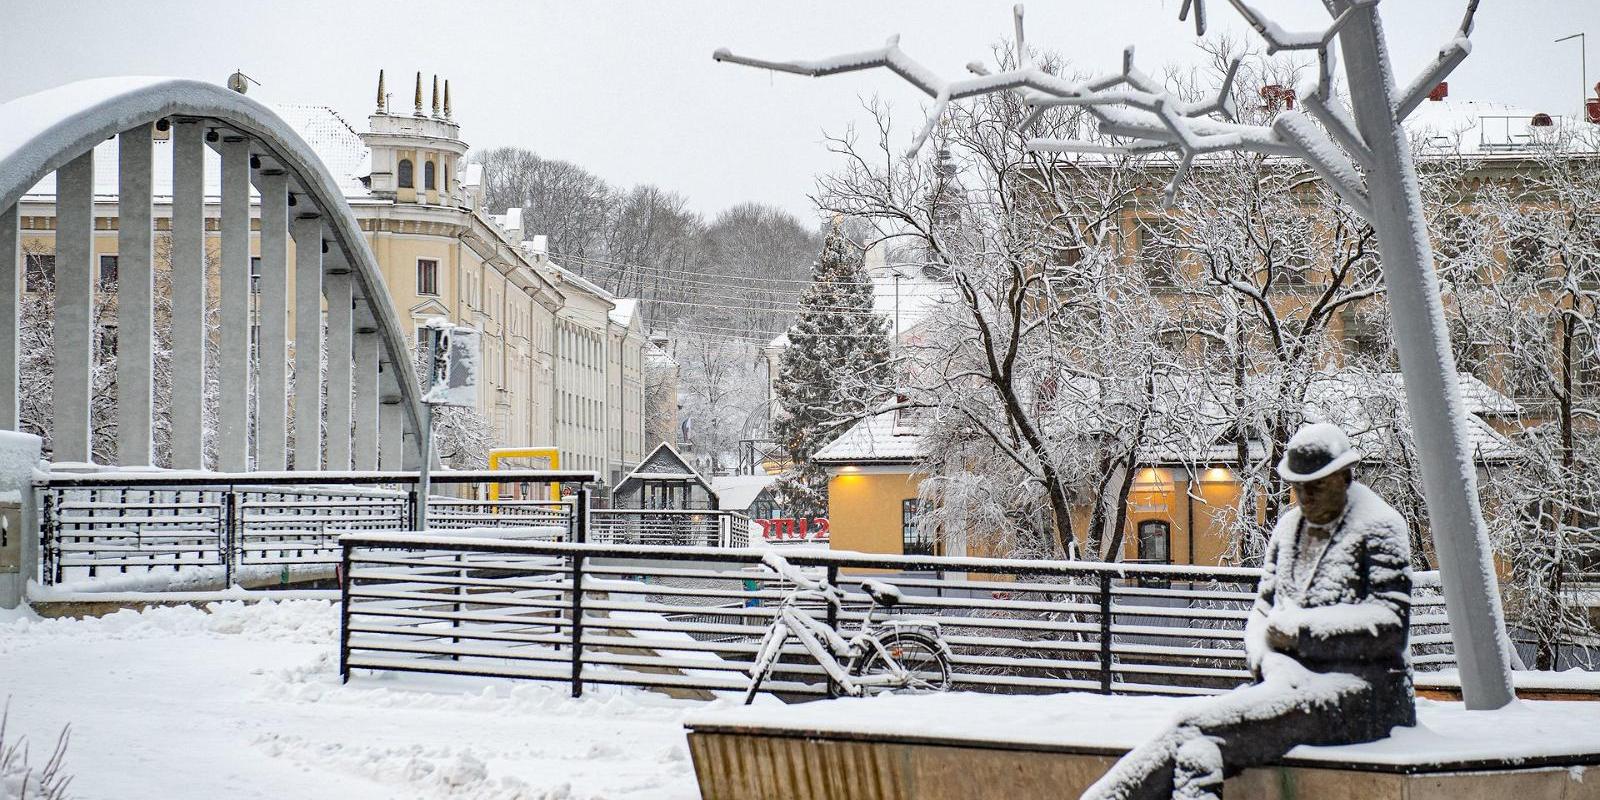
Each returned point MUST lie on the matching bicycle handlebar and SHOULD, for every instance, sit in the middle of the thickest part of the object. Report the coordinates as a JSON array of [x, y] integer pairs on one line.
[[791, 573]]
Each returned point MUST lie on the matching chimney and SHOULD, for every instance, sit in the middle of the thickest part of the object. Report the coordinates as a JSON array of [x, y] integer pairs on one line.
[[1440, 92], [1591, 106], [1277, 97]]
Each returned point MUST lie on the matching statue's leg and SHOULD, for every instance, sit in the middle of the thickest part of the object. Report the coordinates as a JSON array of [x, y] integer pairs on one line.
[[1257, 724], [1198, 769], [1145, 773]]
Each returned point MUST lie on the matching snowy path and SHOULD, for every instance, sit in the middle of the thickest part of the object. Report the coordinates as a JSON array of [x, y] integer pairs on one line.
[[245, 702]]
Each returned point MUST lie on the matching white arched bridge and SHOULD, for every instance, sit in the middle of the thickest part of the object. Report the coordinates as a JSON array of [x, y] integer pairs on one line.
[[369, 416], [332, 395]]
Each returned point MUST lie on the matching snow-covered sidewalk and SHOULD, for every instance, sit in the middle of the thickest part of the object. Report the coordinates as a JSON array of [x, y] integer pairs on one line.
[[244, 701]]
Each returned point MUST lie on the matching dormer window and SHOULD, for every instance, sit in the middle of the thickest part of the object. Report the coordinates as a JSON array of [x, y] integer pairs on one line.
[[427, 175], [405, 174]]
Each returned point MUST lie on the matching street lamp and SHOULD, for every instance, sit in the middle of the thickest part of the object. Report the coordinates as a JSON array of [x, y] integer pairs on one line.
[[1583, 56]]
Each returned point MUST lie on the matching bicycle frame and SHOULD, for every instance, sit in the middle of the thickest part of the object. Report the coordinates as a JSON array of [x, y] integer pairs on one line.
[[825, 646]]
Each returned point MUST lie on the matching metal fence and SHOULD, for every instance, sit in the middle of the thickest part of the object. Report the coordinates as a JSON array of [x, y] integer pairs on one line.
[[96, 524], [692, 617], [695, 528]]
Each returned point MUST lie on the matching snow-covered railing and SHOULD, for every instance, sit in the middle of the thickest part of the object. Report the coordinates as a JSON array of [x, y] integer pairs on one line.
[[691, 617], [684, 527], [95, 525]]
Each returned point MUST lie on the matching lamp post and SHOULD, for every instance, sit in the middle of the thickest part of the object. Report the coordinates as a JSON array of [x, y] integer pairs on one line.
[[1583, 61]]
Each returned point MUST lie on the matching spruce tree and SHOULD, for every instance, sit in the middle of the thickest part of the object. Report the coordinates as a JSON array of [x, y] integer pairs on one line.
[[834, 371]]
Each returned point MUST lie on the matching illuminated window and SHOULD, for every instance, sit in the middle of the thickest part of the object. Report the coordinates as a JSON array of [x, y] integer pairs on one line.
[[914, 540]]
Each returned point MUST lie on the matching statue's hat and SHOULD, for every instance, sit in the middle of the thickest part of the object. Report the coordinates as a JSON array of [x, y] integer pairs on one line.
[[1316, 451]]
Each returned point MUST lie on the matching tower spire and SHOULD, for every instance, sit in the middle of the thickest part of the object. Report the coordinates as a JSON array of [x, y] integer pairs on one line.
[[436, 95], [418, 98], [446, 98], [382, 106]]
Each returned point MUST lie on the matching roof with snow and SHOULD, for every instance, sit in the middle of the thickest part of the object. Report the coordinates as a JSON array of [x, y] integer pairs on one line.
[[882, 438], [739, 492], [623, 313], [1368, 406], [1471, 127]]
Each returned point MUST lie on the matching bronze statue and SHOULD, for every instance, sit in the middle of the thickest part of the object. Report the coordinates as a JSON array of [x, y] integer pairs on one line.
[[1326, 640]]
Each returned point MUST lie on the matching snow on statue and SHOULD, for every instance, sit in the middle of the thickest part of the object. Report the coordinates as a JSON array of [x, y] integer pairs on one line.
[[1326, 640]]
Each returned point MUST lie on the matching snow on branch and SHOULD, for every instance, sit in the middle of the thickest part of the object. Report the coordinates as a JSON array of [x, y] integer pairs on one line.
[[1450, 56], [1133, 106]]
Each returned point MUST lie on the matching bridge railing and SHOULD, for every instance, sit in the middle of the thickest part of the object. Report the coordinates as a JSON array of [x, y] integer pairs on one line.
[[693, 617], [93, 525]]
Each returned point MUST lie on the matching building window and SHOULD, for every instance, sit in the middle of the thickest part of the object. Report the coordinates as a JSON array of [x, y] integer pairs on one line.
[[406, 181], [1156, 240], [1155, 542], [914, 540], [255, 274], [427, 276], [108, 273], [427, 175], [40, 271]]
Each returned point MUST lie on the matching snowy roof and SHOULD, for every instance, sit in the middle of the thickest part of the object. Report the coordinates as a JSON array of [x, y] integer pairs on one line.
[[904, 288], [1480, 128], [623, 313], [878, 438], [1365, 405], [739, 492]]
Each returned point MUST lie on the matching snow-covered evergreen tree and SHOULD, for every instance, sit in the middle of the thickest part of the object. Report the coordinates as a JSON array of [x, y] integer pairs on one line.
[[834, 371]]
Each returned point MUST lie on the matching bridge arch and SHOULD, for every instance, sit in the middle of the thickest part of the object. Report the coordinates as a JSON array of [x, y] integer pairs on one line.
[[372, 412]]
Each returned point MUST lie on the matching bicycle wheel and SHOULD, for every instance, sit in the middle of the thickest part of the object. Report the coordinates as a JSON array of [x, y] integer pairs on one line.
[[927, 668]]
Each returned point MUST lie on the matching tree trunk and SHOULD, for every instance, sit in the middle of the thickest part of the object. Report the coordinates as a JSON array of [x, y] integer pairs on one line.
[[1461, 539]]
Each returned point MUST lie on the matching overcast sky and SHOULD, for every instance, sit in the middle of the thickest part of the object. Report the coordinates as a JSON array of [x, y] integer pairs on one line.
[[629, 90]]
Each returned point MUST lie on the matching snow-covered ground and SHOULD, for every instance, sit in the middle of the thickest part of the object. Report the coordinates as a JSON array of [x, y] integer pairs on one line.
[[245, 702]]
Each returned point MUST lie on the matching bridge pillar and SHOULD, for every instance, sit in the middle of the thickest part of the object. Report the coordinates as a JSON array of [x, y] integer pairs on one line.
[[11, 277], [308, 340], [135, 296], [233, 350], [340, 351], [74, 322], [364, 409], [391, 443], [188, 295], [272, 392]]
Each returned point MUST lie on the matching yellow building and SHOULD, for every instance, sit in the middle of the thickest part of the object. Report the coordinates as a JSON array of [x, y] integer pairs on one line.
[[562, 357]]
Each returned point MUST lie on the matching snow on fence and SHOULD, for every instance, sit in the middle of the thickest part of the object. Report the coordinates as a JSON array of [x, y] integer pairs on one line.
[[97, 525], [692, 617], [115, 523]]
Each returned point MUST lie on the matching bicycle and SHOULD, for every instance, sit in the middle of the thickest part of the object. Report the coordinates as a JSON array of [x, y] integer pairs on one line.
[[894, 654]]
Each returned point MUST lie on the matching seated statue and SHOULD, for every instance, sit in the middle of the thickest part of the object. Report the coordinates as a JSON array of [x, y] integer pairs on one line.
[[1326, 641]]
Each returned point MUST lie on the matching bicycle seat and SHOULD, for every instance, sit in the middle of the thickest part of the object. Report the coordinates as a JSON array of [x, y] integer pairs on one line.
[[882, 593]]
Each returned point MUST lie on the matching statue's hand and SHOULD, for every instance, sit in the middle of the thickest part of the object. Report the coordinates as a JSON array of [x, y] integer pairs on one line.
[[1281, 639]]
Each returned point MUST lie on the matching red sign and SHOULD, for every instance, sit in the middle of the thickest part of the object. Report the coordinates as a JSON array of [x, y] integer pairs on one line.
[[791, 529]]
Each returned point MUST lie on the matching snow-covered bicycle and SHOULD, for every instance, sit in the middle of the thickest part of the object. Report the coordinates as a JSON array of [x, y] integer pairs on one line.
[[902, 653]]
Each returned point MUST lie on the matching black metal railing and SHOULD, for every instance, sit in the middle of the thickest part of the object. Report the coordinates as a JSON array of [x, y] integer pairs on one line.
[[692, 618], [92, 525]]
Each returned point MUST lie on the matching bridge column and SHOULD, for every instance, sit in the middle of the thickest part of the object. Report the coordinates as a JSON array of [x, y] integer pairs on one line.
[[135, 291], [74, 323], [307, 340], [272, 392], [233, 351], [364, 410], [391, 434], [188, 295], [340, 361], [11, 269]]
